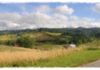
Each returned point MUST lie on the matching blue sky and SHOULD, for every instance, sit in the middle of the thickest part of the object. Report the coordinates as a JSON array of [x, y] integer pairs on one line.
[[81, 9], [49, 15]]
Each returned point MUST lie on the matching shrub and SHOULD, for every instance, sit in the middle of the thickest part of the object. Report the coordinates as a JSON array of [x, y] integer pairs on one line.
[[25, 41], [63, 40], [1, 42], [10, 42]]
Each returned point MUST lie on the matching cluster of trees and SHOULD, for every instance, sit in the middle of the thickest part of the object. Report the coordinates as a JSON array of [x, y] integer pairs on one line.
[[21, 41], [73, 35], [67, 36]]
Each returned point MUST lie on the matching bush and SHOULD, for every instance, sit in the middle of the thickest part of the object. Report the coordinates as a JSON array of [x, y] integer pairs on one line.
[[25, 41], [1, 42], [10, 42], [63, 40]]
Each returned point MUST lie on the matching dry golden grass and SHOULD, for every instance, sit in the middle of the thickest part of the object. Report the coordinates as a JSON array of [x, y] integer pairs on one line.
[[7, 37], [33, 54]]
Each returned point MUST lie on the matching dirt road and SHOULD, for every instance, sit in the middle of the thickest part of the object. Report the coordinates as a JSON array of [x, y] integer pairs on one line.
[[93, 64]]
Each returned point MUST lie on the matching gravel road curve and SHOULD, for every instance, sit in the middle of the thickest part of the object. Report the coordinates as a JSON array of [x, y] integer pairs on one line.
[[92, 64]]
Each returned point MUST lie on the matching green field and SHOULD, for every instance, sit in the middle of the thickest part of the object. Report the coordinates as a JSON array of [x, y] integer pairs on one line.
[[46, 49], [61, 57], [73, 60]]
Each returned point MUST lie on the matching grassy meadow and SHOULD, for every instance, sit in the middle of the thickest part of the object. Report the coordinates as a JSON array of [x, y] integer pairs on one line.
[[10, 56], [23, 57], [45, 49]]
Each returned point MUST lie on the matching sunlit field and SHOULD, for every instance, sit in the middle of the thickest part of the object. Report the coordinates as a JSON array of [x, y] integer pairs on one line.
[[11, 55], [46, 49]]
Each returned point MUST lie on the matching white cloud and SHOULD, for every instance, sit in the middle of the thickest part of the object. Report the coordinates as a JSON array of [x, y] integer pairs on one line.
[[46, 17], [96, 24], [64, 9], [9, 16], [43, 20], [97, 8], [82, 22], [7, 20], [5, 25]]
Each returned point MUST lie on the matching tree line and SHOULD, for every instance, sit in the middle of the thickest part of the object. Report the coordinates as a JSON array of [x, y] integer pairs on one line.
[[68, 35]]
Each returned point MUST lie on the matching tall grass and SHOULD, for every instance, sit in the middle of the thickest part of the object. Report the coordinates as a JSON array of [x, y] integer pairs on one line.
[[8, 58], [73, 60], [57, 57], [7, 37], [51, 58]]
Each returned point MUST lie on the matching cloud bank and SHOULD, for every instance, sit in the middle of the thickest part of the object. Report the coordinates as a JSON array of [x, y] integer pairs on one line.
[[45, 17], [97, 8]]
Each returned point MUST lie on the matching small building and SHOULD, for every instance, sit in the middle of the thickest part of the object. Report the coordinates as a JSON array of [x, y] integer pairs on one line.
[[72, 45], [69, 46]]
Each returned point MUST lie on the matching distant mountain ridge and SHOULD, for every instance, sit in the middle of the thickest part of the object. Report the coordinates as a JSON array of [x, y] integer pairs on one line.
[[61, 30]]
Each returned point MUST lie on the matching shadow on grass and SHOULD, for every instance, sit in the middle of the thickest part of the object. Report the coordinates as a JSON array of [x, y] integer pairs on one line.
[[96, 48]]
